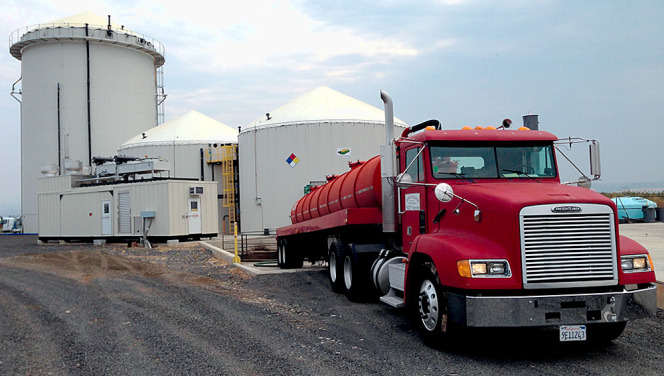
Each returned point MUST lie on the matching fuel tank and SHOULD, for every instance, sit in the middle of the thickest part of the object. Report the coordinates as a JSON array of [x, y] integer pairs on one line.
[[358, 188]]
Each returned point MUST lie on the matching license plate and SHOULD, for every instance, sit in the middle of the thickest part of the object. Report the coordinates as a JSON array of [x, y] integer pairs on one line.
[[572, 333]]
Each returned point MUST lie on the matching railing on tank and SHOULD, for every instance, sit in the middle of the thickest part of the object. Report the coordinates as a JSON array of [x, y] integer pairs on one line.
[[73, 30], [219, 154]]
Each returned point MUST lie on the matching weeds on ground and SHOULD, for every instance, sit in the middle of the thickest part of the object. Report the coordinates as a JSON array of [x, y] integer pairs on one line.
[[657, 197]]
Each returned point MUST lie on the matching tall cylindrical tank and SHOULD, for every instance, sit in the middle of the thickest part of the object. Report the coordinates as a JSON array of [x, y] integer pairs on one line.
[[87, 86]]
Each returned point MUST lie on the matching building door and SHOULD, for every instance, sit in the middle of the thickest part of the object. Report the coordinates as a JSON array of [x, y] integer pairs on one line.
[[194, 216], [106, 218]]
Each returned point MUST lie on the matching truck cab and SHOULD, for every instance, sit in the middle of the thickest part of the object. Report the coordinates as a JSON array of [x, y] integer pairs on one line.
[[492, 238]]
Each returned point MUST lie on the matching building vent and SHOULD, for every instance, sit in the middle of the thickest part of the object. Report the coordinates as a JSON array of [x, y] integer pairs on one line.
[[124, 213]]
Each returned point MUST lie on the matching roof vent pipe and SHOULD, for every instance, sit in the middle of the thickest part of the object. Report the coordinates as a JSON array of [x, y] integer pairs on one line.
[[531, 122]]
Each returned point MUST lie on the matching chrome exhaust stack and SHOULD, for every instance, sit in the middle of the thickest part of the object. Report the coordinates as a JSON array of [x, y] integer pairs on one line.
[[387, 168]]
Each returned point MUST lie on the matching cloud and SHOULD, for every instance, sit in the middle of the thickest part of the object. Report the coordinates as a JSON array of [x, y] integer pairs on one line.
[[258, 35]]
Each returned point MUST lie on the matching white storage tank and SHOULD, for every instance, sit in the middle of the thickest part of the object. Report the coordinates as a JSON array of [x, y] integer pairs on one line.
[[301, 142], [185, 143], [179, 141], [87, 86]]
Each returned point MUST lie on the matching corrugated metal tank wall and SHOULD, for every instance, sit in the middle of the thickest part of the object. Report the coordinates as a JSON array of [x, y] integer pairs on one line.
[[265, 174], [122, 101]]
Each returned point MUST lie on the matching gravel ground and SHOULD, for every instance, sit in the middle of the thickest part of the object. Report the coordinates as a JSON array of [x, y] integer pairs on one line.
[[77, 309]]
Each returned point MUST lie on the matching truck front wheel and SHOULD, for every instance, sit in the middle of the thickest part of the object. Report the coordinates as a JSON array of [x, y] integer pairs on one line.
[[432, 310]]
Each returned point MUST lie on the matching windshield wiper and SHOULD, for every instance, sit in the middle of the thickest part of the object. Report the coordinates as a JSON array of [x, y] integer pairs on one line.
[[456, 174], [520, 173]]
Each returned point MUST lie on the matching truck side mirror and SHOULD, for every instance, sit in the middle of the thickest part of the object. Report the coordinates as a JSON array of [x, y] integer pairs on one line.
[[404, 180], [444, 192], [584, 182], [595, 169]]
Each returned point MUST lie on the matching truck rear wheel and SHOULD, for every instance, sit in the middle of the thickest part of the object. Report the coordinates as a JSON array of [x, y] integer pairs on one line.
[[335, 266], [287, 255], [432, 309], [355, 277]]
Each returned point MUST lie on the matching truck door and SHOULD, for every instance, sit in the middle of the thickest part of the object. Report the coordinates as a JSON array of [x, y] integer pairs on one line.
[[412, 199]]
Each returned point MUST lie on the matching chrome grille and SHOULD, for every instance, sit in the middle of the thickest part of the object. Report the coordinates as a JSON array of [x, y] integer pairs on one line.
[[568, 249]]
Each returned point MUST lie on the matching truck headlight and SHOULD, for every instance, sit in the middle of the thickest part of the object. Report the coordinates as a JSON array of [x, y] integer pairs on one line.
[[484, 268], [636, 263]]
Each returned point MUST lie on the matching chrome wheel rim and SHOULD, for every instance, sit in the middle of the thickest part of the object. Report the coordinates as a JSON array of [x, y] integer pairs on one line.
[[429, 305], [348, 272], [333, 267]]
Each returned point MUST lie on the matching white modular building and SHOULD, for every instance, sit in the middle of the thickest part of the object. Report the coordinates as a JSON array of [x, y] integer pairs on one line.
[[73, 208], [190, 146], [301, 143], [86, 86]]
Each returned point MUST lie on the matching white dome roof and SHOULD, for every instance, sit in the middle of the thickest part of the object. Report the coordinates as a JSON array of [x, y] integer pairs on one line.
[[91, 18], [323, 105], [190, 128]]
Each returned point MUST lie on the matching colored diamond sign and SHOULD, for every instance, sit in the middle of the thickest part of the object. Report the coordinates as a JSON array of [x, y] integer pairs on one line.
[[292, 160]]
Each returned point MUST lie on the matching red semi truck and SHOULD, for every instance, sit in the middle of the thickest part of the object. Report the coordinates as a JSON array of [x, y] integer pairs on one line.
[[474, 228]]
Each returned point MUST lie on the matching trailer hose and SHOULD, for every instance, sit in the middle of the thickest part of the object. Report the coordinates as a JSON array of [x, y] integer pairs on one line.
[[266, 264]]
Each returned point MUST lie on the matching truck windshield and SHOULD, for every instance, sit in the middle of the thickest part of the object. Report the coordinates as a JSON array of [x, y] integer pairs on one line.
[[493, 162]]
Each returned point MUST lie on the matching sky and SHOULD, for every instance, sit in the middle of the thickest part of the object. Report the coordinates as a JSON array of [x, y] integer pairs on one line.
[[591, 69]]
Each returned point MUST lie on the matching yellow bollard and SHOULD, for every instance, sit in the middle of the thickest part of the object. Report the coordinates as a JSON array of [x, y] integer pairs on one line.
[[236, 259]]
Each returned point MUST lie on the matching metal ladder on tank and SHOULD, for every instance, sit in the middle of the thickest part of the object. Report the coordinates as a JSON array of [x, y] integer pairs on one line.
[[228, 172]]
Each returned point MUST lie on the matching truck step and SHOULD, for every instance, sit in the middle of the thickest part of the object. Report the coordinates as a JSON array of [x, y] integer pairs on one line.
[[392, 301]]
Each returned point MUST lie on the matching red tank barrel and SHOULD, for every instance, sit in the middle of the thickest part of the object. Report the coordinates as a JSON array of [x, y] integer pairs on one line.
[[358, 188]]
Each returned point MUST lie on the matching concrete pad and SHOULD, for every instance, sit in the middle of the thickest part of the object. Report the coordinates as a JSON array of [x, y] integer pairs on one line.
[[99, 241], [253, 268], [172, 242]]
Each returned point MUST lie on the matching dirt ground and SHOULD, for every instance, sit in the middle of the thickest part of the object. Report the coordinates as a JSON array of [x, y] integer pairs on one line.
[[79, 309]]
